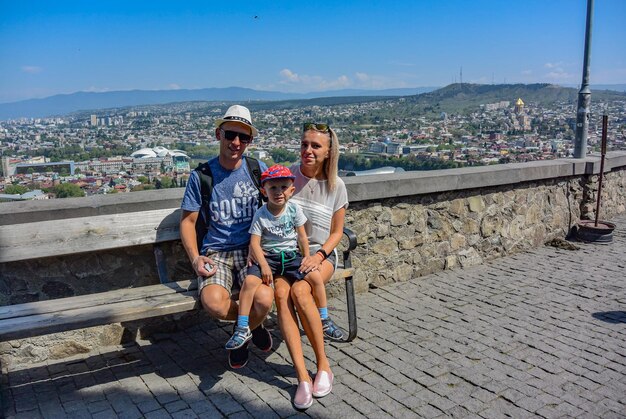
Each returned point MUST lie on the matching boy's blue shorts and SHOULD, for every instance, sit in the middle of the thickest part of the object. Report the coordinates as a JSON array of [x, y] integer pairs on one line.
[[284, 264]]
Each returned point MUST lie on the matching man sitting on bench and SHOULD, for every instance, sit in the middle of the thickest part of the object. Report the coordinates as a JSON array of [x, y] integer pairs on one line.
[[220, 261]]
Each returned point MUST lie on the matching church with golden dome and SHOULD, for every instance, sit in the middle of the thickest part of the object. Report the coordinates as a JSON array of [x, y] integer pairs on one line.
[[521, 121]]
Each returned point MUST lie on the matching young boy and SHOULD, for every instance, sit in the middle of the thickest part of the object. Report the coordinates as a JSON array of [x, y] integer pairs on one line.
[[277, 242]]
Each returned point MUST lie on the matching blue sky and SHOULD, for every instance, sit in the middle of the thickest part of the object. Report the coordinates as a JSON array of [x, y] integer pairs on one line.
[[51, 47]]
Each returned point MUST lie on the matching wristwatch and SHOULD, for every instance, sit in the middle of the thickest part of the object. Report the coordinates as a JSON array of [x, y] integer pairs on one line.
[[323, 253]]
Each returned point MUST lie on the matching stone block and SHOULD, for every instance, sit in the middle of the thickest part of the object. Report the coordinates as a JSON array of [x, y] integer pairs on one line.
[[451, 262], [382, 230], [457, 241], [457, 208], [399, 217], [60, 345], [471, 226], [386, 246], [68, 348], [403, 272], [434, 220], [489, 226], [418, 217], [476, 204], [469, 257]]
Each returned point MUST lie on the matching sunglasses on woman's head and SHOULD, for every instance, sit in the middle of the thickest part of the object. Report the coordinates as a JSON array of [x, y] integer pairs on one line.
[[316, 127], [243, 138]]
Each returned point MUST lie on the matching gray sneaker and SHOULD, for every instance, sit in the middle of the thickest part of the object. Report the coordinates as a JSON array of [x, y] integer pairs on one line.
[[332, 331]]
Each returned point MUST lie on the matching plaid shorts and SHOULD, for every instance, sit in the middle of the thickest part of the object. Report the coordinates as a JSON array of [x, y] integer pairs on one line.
[[230, 266]]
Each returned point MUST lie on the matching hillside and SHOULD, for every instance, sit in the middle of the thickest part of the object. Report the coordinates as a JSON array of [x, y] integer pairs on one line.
[[457, 98]]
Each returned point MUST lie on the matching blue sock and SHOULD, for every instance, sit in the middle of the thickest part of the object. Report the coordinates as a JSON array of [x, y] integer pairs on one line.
[[323, 312], [242, 321]]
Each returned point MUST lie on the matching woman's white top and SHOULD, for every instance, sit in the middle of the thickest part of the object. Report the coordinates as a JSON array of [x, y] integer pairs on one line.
[[319, 203]]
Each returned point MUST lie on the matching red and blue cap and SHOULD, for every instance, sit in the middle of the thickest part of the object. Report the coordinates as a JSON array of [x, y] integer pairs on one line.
[[276, 172]]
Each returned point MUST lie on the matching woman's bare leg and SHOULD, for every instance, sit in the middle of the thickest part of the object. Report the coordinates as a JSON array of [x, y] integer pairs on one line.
[[288, 321], [301, 293]]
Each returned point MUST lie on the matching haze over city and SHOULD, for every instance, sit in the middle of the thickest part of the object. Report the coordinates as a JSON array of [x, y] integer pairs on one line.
[[49, 48]]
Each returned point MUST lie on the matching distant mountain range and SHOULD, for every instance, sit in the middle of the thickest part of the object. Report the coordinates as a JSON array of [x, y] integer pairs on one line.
[[84, 101], [454, 97]]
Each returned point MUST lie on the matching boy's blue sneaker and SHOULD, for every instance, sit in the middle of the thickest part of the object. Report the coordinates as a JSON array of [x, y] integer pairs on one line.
[[240, 336], [332, 331]]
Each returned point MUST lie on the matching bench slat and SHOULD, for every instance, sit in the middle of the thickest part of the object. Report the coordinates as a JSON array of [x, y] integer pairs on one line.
[[342, 273], [83, 301], [105, 298], [150, 306], [76, 235]]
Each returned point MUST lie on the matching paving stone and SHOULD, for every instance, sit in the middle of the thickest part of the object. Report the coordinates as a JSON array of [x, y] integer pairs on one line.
[[176, 406], [78, 414], [148, 406], [205, 408], [158, 414], [130, 413], [428, 411], [105, 414], [74, 405]]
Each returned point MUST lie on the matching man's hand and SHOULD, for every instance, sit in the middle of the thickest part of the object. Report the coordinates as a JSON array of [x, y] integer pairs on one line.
[[201, 264]]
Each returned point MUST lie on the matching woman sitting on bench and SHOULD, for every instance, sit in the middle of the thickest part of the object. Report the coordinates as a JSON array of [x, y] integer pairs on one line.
[[324, 199]]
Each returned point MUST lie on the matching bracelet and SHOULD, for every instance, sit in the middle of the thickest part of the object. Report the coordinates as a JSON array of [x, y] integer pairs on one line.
[[323, 253]]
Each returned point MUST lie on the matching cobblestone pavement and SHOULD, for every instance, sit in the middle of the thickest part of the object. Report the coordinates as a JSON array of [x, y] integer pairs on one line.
[[537, 334]]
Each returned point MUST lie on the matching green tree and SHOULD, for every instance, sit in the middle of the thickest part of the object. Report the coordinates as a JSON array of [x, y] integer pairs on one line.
[[281, 155], [166, 182], [15, 189], [68, 190], [143, 179]]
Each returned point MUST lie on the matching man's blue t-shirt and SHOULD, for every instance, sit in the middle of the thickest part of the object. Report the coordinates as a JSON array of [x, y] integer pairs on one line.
[[234, 201]]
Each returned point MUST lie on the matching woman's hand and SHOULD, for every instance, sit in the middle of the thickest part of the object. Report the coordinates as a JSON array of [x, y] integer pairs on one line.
[[311, 263]]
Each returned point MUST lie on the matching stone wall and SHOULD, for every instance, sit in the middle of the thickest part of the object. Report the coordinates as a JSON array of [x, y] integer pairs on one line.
[[408, 225], [404, 238]]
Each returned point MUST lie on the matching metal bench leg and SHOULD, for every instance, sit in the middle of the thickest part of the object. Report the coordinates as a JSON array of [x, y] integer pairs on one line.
[[352, 325], [161, 264]]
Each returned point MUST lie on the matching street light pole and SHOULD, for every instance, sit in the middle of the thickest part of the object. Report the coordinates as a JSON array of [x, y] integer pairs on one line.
[[584, 95]]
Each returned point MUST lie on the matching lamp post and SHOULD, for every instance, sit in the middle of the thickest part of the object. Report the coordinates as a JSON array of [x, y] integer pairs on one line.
[[584, 95]]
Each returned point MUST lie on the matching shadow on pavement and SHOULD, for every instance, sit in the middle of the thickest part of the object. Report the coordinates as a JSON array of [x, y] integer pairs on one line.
[[611, 316], [190, 367]]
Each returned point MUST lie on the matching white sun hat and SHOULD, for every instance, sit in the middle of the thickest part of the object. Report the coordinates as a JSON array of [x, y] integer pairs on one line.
[[238, 113]]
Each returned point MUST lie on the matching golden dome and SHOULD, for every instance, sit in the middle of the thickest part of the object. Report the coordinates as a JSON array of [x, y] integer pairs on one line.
[[519, 102]]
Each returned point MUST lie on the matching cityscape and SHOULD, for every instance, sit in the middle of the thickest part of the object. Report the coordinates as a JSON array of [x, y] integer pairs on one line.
[[155, 146]]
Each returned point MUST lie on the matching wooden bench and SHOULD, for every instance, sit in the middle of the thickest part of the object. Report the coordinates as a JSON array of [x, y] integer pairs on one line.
[[19, 242]]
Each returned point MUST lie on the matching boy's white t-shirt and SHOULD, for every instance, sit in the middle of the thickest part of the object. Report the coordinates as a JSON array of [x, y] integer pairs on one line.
[[278, 233], [319, 203]]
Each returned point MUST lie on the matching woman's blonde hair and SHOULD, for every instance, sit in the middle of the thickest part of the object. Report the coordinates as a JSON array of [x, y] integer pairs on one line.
[[331, 164]]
